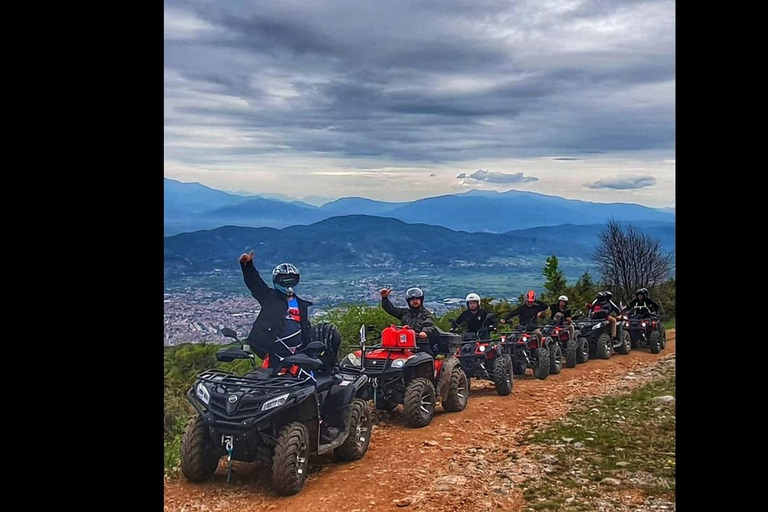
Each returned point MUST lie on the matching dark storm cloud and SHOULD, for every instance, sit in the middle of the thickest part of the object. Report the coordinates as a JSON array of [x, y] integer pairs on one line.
[[427, 81], [500, 177], [624, 183]]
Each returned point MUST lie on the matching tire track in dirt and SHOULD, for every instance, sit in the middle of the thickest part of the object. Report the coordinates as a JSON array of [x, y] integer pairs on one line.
[[446, 466]]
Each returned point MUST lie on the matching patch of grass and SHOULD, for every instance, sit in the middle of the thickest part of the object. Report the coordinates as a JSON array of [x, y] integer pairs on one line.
[[630, 438], [669, 324]]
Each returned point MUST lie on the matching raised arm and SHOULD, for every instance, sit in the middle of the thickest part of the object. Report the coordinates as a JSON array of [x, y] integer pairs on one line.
[[252, 279], [389, 307]]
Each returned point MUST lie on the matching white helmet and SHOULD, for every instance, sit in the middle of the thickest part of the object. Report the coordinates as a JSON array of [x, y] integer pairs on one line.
[[562, 297], [472, 296]]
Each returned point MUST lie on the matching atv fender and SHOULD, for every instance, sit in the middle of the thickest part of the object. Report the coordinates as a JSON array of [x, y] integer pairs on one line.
[[444, 379], [420, 364], [336, 407]]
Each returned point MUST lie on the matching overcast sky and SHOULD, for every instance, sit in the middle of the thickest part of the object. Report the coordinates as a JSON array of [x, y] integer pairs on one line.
[[397, 100]]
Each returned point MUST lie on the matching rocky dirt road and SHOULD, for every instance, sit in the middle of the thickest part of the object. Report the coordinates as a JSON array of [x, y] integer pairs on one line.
[[461, 461]]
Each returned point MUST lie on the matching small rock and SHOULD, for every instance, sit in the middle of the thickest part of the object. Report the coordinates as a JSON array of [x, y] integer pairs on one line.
[[622, 463], [578, 445], [567, 439], [402, 502], [666, 399], [568, 500], [610, 481], [431, 443], [589, 439]]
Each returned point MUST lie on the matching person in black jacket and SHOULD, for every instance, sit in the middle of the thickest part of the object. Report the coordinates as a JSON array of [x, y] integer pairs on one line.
[[415, 316], [643, 303], [561, 307], [474, 316], [282, 327], [602, 307], [528, 312]]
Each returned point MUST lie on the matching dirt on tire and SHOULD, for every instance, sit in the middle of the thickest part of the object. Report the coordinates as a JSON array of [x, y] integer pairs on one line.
[[429, 468]]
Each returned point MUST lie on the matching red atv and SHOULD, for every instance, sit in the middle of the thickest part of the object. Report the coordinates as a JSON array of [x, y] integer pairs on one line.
[[483, 358], [576, 350], [527, 351], [399, 374], [645, 330]]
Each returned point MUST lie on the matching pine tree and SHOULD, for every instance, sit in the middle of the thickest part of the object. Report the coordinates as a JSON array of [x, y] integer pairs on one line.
[[555, 284]]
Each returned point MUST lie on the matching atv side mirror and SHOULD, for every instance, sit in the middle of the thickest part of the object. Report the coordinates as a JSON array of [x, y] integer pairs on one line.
[[229, 333], [227, 355]]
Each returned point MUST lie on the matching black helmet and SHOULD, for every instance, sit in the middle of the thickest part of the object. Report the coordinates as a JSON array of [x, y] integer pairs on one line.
[[414, 293], [608, 295], [601, 296], [644, 291], [285, 276]]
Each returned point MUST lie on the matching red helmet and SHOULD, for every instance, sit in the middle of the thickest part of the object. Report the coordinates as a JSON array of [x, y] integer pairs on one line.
[[530, 296]]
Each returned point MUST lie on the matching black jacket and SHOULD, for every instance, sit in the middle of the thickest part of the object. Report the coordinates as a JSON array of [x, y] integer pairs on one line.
[[555, 309], [527, 313], [646, 303], [603, 310], [474, 320], [274, 307]]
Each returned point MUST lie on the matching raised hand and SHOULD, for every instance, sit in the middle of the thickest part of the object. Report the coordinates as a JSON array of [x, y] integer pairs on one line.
[[385, 292], [245, 258]]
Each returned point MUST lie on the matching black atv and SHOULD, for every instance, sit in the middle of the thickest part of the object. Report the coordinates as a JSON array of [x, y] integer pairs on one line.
[[399, 374], [597, 331], [528, 351], [483, 358], [277, 415], [576, 349], [645, 330]]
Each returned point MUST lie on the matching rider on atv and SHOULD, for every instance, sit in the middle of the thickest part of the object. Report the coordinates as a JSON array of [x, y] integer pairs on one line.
[[642, 303], [415, 316], [528, 312], [602, 307], [474, 316], [282, 327], [561, 308]]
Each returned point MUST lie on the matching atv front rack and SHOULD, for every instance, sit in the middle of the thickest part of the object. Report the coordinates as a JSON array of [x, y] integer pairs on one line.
[[266, 386]]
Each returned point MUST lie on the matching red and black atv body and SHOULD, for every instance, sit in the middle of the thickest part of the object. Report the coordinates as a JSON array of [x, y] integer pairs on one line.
[[399, 374], [576, 350], [528, 351], [483, 358], [645, 330]]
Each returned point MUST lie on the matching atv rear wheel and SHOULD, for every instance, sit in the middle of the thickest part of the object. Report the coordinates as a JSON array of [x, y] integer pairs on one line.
[[541, 369], [503, 375], [604, 346], [458, 391], [419, 402], [199, 454], [654, 342], [518, 367], [582, 356], [555, 358], [290, 459], [626, 343], [359, 438], [571, 353]]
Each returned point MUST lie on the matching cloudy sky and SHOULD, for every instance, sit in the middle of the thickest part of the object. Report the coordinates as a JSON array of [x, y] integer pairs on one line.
[[397, 100]]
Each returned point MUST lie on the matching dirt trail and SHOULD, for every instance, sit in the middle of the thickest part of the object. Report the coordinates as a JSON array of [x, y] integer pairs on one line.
[[447, 465]]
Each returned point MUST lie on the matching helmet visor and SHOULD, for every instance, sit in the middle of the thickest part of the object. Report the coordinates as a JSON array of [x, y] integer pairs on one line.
[[286, 279]]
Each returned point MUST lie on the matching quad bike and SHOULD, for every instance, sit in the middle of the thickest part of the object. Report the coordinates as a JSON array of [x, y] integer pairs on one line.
[[597, 331], [645, 330], [525, 348], [278, 415], [399, 374], [576, 349], [483, 358]]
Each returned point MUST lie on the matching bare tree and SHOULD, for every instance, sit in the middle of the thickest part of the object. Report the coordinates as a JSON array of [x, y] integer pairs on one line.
[[628, 260]]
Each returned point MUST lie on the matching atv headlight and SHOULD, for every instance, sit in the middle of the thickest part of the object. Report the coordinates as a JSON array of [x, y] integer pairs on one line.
[[482, 348], [398, 363], [351, 360], [643, 324], [626, 324], [275, 402], [524, 338], [597, 326], [202, 393]]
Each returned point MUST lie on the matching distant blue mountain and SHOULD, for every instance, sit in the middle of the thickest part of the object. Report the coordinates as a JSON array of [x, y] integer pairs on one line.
[[191, 206]]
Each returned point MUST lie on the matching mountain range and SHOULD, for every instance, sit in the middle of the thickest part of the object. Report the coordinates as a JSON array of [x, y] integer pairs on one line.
[[192, 206]]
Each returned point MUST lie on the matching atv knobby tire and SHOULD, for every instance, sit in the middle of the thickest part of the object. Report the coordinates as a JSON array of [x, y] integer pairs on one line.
[[604, 346], [359, 438], [555, 358], [419, 402], [541, 369], [654, 342], [626, 343], [503, 376], [290, 459], [571, 353], [199, 455], [458, 391], [582, 356]]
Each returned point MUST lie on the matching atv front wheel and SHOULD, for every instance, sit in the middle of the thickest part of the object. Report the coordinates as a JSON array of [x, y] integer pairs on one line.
[[555, 358], [654, 342], [626, 343], [571, 353], [503, 375], [518, 367], [582, 356], [199, 454], [419, 402], [541, 369], [604, 345], [359, 438], [290, 459], [458, 391]]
